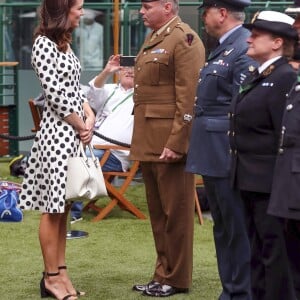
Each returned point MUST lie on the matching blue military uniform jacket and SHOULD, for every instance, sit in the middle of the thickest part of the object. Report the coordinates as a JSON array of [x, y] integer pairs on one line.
[[219, 81], [285, 196]]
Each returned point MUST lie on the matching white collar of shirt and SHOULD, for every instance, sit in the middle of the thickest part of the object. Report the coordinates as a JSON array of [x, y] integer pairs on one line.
[[228, 33], [267, 63], [123, 90]]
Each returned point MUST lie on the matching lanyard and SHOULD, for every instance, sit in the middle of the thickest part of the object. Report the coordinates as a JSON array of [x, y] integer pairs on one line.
[[103, 117], [129, 95], [110, 96]]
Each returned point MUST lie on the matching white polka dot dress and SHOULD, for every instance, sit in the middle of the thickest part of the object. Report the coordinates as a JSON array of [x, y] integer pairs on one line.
[[44, 182]]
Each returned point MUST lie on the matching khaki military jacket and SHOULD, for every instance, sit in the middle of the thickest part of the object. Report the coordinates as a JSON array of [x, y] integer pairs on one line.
[[166, 74]]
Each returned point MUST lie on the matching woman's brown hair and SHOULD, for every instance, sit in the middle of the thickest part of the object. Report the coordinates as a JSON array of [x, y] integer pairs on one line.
[[54, 22]]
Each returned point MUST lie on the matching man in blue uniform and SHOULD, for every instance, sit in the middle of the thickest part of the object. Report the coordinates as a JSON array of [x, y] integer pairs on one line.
[[209, 154]]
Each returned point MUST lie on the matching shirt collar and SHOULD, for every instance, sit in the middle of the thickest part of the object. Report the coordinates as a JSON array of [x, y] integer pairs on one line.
[[123, 90], [228, 33]]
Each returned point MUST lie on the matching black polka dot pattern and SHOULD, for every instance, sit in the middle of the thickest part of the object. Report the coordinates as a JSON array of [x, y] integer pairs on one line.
[[43, 186]]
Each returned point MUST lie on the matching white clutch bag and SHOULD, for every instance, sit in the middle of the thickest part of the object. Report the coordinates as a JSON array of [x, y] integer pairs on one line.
[[85, 180]]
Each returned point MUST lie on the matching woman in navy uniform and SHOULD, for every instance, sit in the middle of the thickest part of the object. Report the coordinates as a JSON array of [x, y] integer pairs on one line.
[[254, 135], [285, 197]]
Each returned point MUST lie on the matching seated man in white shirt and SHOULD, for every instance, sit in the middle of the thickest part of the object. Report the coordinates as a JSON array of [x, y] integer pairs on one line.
[[113, 105]]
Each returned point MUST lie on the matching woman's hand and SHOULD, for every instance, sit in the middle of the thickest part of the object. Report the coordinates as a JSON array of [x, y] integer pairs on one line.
[[85, 135]]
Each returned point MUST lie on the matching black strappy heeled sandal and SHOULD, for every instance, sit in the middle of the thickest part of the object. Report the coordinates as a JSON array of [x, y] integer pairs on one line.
[[78, 293], [45, 292]]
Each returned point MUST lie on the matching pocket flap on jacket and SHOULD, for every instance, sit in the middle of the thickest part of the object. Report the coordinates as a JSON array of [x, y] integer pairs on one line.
[[217, 124], [167, 111], [161, 58]]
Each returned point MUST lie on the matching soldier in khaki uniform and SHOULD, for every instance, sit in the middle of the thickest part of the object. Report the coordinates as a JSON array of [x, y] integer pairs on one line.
[[166, 73]]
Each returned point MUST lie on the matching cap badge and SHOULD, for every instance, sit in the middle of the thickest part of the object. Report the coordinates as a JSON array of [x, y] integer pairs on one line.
[[254, 17]]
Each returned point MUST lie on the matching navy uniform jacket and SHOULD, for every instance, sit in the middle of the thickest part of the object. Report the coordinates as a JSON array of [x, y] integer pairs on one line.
[[219, 80], [255, 127], [285, 197]]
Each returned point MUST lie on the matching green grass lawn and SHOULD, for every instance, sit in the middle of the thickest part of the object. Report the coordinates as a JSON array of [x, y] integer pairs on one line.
[[118, 253]]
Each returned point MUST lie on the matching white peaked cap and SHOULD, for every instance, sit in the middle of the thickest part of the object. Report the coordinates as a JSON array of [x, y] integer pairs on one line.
[[275, 16]]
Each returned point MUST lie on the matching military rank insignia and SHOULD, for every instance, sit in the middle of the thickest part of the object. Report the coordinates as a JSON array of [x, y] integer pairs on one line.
[[189, 38], [228, 52], [251, 68], [268, 71]]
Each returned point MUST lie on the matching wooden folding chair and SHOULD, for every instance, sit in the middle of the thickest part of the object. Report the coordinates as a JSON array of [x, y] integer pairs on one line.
[[116, 194], [198, 181], [36, 113]]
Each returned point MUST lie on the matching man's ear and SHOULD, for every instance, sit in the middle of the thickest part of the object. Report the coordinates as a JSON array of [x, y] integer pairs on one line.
[[223, 13], [168, 7]]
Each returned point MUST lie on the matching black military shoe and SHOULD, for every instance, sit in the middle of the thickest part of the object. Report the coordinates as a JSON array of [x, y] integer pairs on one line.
[[143, 287], [163, 291]]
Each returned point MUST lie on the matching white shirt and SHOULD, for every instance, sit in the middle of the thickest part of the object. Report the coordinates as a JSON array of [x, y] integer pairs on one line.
[[114, 118]]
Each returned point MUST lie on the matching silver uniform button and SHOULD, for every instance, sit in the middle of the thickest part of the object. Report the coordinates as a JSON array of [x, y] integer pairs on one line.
[[280, 151], [289, 107], [297, 88]]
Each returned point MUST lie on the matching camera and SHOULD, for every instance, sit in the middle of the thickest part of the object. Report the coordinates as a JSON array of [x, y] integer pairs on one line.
[[127, 61]]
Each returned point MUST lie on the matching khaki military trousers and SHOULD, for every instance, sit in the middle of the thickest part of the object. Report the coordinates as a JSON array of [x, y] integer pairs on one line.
[[171, 204]]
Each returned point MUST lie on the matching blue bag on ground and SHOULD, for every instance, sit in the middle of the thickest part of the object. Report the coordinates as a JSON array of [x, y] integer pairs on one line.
[[9, 212]]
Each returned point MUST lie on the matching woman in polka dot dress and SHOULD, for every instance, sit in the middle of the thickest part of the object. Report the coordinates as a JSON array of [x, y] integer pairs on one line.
[[62, 127]]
